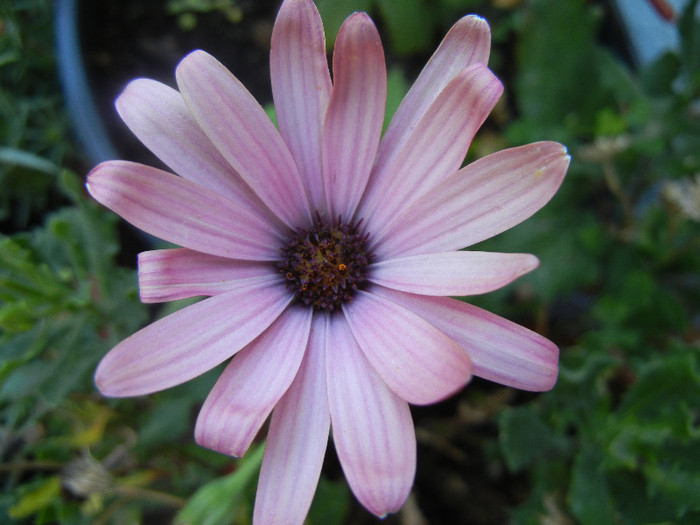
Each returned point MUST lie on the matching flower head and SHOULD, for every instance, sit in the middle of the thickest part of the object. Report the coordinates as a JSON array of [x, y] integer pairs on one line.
[[328, 252]]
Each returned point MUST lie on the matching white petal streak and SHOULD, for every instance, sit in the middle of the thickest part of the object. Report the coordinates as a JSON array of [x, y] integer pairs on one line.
[[372, 427], [355, 115], [481, 200], [179, 273], [501, 351], [467, 43], [252, 383], [301, 88], [158, 116], [190, 341], [182, 212], [418, 362], [296, 441], [452, 273], [239, 128]]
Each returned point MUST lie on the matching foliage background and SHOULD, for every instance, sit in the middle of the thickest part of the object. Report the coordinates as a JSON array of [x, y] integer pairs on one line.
[[617, 441]]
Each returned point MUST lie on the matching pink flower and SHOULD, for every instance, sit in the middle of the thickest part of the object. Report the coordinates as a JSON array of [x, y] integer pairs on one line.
[[328, 252]]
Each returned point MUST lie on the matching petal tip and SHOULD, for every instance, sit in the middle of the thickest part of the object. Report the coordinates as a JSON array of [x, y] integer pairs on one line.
[[103, 383], [531, 263], [548, 369], [474, 20], [192, 60]]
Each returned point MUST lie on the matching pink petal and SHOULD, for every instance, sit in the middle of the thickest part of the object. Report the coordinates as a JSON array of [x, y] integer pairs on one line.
[[190, 341], [301, 88], [501, 350], [417, 361], [245, 136], [372, 426], [436, 148], [355, 116], [296, 441], [182, 212], [467, 43], [167, 275], [252, 383], [481, 200], [158, 116], [452, 273]]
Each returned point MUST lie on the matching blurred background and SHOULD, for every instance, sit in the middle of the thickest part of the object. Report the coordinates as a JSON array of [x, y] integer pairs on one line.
[[616, 442]]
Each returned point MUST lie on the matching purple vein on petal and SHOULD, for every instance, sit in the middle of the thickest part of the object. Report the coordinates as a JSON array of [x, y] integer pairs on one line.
[[481, 200], [179, 273], [468, 42], [189, 342], [436, 147], [252, 383], [297, 440], [355, 115], [418, 362], [501, 350], [452, 273], [372, 426], [159, 117], [239, 128], [301, 88], [182, 212]]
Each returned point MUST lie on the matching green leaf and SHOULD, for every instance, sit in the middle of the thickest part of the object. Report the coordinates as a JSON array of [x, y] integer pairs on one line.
[[271, 113], [334, 12], [218, 502], [331, 503], [410, 24], [666, 391], [658, 76], [589, 495], [25, 159], [525, 438], [689, 29], [37, 497], [22, 277], [558, 77], [397, 87], [679, 484], [72, 186], [557, 240], [633, 504]]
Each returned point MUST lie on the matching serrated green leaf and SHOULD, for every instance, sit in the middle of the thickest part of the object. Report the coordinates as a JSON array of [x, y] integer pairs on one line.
[[634, 444], [23, 277], [664, 392], [678, 484]]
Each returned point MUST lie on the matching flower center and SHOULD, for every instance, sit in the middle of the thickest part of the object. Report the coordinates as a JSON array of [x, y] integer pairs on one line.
[[324, 265]]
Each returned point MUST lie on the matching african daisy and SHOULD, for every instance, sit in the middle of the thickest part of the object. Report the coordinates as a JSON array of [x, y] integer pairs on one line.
[[328, 253]]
